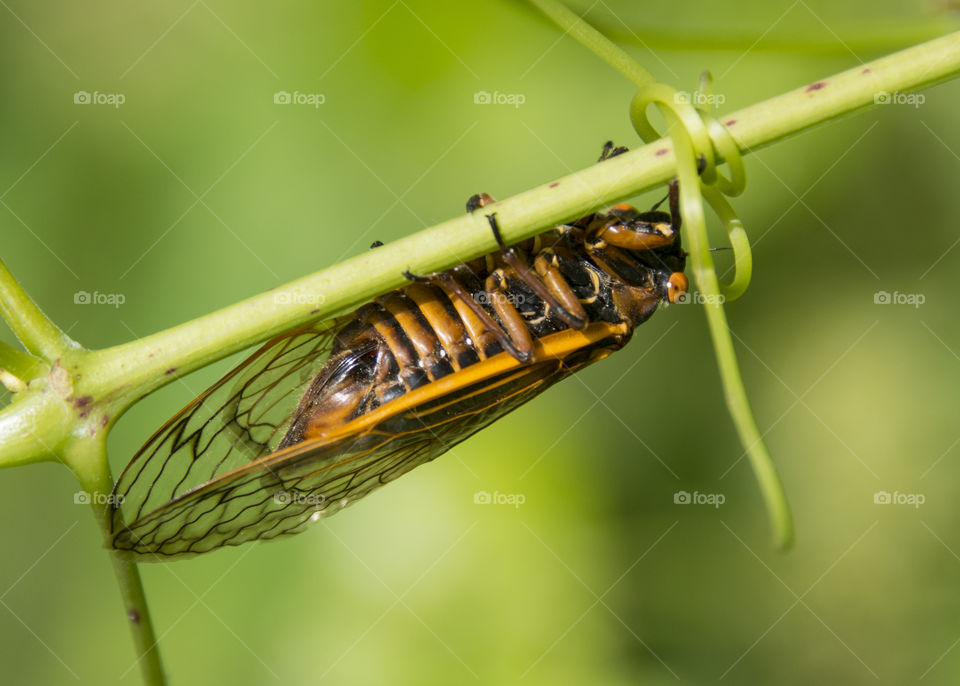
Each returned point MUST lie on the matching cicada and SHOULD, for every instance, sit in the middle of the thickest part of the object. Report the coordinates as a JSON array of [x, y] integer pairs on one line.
[[323, 415]]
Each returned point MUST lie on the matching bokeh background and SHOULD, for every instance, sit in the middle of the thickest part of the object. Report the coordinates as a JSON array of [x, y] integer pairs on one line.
[[198, 190]]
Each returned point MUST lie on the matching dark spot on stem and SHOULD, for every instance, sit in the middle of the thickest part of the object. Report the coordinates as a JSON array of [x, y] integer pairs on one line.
[[172, 370], [83, 404], [661, 151], [866, 71], [314, 311], [134, 616], [816, 86], [730, 123], [104, 420], [554, 184]]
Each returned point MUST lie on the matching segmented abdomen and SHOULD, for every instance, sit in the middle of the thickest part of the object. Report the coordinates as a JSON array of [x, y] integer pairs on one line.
[[424, 332]]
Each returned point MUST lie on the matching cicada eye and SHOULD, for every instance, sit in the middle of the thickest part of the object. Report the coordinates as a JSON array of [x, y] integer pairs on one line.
[[677, 285]]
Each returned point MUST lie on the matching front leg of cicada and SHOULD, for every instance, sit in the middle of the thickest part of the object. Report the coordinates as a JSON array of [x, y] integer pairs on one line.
[[625, 228], [648, 230], [631, 230]]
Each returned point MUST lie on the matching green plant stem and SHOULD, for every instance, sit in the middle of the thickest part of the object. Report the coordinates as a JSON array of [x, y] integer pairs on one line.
[[122, 374], [88, 460], [38, 334], [19, 365], [32, 427], [595, 41], [857, 39]]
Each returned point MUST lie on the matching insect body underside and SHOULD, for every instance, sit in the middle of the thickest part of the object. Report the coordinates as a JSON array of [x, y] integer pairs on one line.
[[323, 415]]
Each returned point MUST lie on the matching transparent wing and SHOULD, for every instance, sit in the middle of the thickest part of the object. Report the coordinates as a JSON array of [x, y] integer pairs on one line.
[[283, 492], [236, 421]]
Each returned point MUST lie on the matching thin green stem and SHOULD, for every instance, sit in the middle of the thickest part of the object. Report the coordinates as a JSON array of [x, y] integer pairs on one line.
[[857, 39], [595, 41], [17, 367], [32, 427], [38, 334], [88, 460]]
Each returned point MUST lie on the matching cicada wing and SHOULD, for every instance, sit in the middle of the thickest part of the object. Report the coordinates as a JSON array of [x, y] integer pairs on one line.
[[283, 493], [236, 421]]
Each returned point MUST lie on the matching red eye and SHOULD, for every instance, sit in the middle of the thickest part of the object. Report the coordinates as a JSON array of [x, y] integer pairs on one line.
[[676, 286]]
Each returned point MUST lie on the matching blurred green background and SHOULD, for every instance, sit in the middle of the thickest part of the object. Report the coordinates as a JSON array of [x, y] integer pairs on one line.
[[199, 190]]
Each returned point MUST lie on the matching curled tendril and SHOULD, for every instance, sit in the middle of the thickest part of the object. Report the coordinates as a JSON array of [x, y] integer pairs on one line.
[[696, 135], [710, 141]]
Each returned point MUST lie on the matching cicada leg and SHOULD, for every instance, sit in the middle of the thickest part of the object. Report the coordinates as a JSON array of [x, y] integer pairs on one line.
[[610, 151], [547, 266], [475, 202], [625, 227], [569, 311], [648, 230], [498, 294]]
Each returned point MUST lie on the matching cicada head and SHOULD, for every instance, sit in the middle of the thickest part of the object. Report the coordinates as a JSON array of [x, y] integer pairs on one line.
[[642, 250]]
